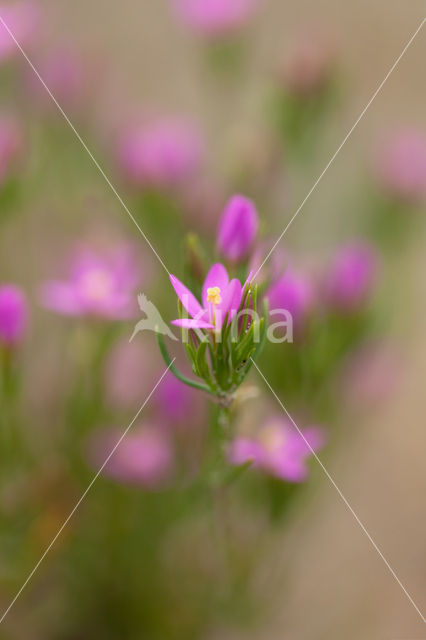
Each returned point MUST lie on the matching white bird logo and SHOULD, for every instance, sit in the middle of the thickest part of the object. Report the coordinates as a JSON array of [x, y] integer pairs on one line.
[[153, 320]]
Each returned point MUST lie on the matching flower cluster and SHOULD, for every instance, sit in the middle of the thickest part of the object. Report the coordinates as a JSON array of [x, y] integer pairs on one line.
[[227, 331]]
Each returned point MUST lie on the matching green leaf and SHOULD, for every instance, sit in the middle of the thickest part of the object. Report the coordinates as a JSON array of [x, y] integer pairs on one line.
[[169, 362]]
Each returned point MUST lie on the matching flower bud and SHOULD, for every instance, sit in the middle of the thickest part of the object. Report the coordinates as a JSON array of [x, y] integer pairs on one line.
[[310, 64], [13, 315], [237, 228]]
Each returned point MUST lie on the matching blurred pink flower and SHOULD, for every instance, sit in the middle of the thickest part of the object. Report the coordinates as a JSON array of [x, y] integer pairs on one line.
[[13, 314], [220, 296], [278, 449], [163, 154], [272, 269], [65, 73], [215, 18], [237, 228], [11, 143], [128, 372], [351, 276], [176, 401], [22, 18], [371, 374], [144, 457], [309, 64], [99, 284], [400, 165], [293, 291]]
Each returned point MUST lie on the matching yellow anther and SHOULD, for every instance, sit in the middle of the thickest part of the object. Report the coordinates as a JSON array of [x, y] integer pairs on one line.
[[213, 295]]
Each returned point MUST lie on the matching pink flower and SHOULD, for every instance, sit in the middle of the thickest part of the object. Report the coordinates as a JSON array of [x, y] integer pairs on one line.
[[100, 285], [400, 165], [237, 228], [65, 73], [13, 314], [294, 292], [11, 142], [22, 18], [371, 374], [220, 296], [278, 449], [144, 457], [176, 401], [351, 276], [129, 372], [163, 154], [215, 18]]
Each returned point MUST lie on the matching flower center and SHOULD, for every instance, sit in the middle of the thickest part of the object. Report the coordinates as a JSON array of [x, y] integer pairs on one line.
[[272, 438], [213, 295], [97, 285]]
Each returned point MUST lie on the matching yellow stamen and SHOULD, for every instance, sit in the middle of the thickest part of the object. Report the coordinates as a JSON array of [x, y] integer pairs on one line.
[[213, 295]]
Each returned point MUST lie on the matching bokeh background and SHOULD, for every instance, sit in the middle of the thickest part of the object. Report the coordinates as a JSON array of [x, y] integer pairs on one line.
[[137, 55]]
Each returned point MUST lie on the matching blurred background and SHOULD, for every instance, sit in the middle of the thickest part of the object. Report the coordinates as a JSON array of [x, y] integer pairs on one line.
[[123, 63]]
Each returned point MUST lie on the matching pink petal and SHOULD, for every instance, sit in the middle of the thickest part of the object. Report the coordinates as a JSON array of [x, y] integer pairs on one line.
[[216, 277], [243, 450], [249, 277], [61, 297], [232, 299], [187, 298], [315, 437], [189, 323]]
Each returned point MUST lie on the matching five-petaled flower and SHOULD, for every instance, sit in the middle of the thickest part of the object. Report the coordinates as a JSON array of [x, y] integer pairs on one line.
[[100, 285], [279, 449], [221, 299]]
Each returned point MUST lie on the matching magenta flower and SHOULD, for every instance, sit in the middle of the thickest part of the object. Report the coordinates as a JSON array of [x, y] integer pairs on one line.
[[13, 315], [351, 277], [400, 165], [220, 296], [215, 18], [294, 292], [163, 154], [278, 449], [22, 18], [11, 142], [100, 285], [237, 228], [144, 457]]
